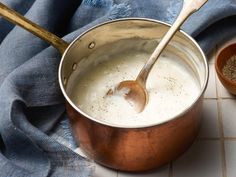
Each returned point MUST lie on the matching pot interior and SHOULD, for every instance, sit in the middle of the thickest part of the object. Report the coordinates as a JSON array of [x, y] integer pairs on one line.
[[107, 40]]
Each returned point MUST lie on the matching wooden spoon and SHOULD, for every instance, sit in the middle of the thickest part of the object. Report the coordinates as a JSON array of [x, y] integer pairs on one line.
[[135, 90]]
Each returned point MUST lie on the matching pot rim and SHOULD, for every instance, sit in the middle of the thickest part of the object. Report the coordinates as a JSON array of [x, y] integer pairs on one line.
[[129, 126]]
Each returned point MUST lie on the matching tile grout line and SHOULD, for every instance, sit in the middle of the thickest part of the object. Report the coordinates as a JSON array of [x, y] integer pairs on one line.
[[230, 138], [207, 98], [220, 124], [226, 98], [171, 169], [216, 139], [222, 98], [221, 131], [208, 139]]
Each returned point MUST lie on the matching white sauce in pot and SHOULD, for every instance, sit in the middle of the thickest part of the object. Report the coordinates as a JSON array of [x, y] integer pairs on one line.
[[171, 85]]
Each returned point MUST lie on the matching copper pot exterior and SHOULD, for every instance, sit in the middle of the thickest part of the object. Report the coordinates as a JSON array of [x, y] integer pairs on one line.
[[137, 149], [132, 148]]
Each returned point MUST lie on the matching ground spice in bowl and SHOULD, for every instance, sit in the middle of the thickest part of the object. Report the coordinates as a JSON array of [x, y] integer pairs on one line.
[[229, 69]]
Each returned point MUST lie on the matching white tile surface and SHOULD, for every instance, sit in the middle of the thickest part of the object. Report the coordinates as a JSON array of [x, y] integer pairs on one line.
[[209, 126], [80, 152], [211, 87], [101, 171], [230, 152], [229, 117], [203, 159], [162, 172]]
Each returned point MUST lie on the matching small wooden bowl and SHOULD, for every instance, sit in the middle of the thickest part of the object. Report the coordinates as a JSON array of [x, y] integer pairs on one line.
[[221, 59]]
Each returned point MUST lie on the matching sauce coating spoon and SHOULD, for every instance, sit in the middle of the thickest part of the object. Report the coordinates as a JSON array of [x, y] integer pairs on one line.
[[135, 91]]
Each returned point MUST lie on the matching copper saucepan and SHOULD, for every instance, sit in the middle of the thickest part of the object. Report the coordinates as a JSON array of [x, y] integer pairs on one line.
[[125, 148]]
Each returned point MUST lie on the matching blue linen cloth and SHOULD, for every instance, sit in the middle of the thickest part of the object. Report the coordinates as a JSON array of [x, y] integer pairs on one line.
[[35, 136]]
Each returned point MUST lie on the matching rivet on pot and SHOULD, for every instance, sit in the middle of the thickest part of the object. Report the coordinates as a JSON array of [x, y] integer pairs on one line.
[[91, 45], [64, 81], [74, 66]]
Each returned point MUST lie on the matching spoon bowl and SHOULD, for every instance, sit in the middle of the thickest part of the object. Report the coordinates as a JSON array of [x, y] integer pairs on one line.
[[137, 96]]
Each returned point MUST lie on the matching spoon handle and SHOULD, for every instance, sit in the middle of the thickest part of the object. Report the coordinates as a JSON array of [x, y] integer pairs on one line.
[[18, 19], [189, 7]]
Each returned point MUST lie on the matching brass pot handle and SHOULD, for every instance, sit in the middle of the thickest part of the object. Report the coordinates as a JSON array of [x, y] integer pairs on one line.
[[28, 25]]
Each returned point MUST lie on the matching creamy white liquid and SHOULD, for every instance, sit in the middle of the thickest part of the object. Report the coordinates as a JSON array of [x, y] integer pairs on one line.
[[171, 86]]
